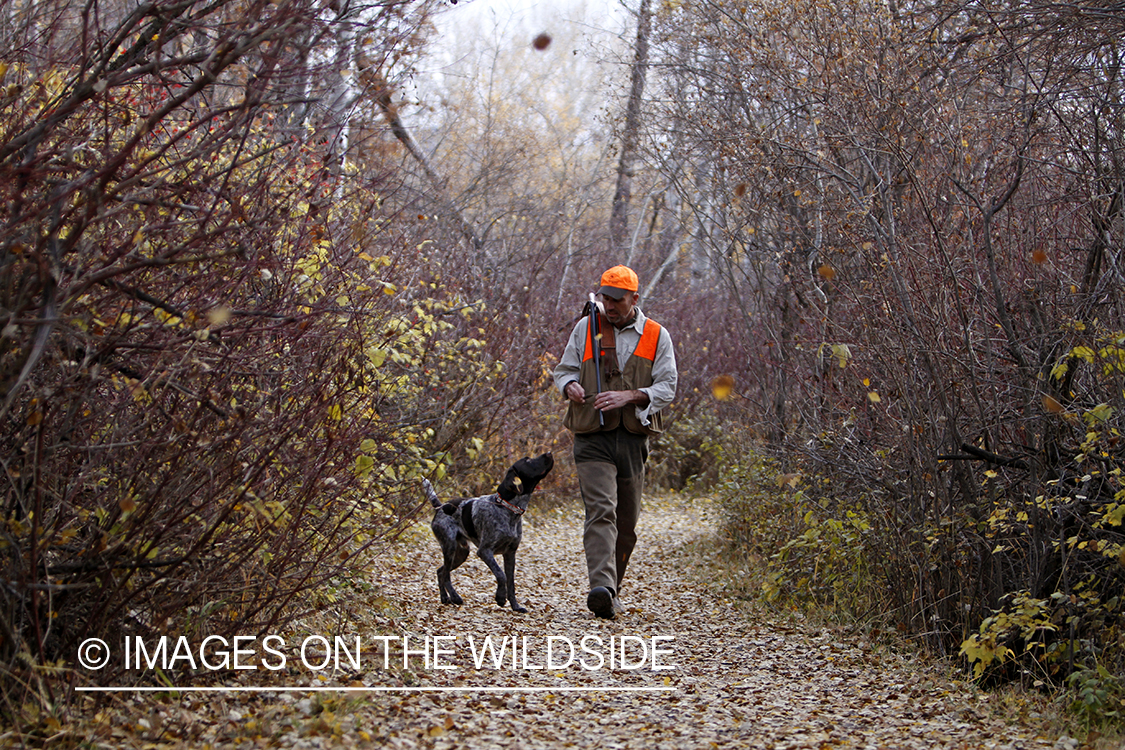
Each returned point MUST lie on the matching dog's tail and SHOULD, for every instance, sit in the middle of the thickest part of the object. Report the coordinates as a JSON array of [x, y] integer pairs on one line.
[[430, 494]]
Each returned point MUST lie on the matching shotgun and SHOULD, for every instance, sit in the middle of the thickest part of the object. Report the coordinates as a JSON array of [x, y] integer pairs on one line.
[[594, 330]]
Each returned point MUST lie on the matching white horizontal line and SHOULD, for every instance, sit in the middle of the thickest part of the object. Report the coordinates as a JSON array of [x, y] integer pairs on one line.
[[470, 689]]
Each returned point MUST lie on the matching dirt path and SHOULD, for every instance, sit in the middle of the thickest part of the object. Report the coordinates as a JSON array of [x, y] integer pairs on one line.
[[732, 681], [736, 682]]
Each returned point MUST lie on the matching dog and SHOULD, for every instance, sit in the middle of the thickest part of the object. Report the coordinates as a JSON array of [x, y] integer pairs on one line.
[[494, 523]]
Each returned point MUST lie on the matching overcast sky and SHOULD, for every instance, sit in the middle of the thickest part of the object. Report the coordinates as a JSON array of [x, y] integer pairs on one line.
[[532, 15], [591, 22], [586, 35]]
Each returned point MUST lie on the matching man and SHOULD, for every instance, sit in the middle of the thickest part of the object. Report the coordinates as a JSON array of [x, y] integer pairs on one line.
[[616, 382]]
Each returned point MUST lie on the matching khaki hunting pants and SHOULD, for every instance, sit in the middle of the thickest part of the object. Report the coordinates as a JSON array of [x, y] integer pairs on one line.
[[611, 474]]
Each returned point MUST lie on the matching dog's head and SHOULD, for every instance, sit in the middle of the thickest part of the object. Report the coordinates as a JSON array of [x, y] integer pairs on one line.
[[524, 475]]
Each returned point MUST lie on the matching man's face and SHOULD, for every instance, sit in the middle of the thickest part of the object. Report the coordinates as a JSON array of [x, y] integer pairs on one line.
[[619, 311]]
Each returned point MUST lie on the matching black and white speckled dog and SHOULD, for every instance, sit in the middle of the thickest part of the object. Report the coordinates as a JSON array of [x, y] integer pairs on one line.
[[494, 523]]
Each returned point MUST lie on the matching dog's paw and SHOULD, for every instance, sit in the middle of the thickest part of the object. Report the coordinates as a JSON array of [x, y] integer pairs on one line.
[[501, 598], [519, 608]]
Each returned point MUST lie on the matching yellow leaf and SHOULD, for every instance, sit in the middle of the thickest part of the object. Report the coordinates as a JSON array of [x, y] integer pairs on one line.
[[363, 466], [722, 387], [218, 315], [1083, 352], [1099, 413], [1051, 404], [1115, 514], [789, 479], [873, 397]]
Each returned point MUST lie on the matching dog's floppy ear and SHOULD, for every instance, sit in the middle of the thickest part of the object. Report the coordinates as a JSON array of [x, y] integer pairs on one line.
[[530, 471], [451, 507], [512, 486]]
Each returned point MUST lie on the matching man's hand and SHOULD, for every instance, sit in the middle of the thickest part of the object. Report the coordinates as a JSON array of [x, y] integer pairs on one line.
[[610, 400], [606, 400]]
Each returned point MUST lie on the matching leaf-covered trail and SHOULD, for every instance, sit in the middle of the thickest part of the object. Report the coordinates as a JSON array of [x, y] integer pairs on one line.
[[737, 682]]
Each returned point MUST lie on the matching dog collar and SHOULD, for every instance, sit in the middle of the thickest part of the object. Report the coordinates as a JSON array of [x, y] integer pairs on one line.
[[514, 508]]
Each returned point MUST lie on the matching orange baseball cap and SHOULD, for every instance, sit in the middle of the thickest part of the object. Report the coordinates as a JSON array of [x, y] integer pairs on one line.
[[617, 281]]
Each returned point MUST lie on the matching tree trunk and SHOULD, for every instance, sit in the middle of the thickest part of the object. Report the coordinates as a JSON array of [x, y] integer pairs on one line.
[[619, 215], [441, 199]]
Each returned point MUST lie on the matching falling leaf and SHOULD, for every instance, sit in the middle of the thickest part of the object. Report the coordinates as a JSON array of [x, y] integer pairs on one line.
[[722, 387], [542, 41], [1038, 257], [1051, 404], [873, 397], [826, 272], [789, 479], [219, 315]]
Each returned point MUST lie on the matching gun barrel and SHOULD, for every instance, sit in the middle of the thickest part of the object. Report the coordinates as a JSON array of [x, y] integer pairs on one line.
[[594, 331]]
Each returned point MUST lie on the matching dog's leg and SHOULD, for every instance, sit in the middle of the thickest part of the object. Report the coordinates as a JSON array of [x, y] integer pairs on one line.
[[484, 553], [510, 574], [449, 594], [444, 584]]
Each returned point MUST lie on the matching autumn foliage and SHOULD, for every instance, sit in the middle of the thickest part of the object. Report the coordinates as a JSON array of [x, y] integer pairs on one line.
[[213, 378], [245, 308], [912, 210]]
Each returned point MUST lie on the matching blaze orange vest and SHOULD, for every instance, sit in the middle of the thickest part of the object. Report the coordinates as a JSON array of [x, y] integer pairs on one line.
[[637, 373]]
